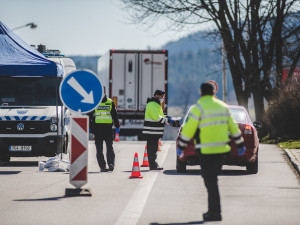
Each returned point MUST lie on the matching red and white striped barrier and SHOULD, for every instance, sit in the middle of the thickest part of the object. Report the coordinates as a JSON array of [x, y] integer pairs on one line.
[[79, 151]]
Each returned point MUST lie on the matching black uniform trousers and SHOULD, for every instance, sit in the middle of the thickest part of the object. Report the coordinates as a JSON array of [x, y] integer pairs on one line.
[[104, 134], [152, 146], [211, 166]]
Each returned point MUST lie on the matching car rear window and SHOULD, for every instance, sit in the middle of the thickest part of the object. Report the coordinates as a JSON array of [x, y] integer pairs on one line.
[[238, 115]]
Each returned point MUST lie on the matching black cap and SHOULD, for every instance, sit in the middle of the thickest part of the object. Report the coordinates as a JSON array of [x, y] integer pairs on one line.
[[159, 92], [207, 89]]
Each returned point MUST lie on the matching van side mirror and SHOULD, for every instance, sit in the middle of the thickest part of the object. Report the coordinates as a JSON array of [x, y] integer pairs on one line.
[[257, 124]]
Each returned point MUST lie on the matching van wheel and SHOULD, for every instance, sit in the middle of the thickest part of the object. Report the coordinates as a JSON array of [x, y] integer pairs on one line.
[[253, 167], [180, 166]]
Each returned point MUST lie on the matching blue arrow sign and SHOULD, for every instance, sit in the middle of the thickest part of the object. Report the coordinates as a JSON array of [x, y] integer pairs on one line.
[[81, 91]]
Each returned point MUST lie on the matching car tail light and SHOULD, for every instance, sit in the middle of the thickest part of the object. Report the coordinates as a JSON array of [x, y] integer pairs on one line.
[[248, 129]]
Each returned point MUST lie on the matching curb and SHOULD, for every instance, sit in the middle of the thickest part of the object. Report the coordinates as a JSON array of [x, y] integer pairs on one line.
[[293, 160]]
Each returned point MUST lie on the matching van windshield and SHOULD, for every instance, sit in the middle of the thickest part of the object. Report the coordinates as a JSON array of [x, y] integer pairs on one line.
[[29, 91]]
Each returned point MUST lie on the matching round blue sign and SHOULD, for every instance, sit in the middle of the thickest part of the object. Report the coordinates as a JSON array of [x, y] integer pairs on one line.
[[81, 91]]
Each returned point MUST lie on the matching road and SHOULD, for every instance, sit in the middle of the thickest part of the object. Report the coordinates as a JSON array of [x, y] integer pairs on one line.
[[29, 196]]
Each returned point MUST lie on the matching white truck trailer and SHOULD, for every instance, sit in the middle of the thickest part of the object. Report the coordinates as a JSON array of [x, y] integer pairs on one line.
[[130, 77]]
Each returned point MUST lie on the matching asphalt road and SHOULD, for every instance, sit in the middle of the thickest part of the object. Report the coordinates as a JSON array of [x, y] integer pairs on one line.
[[29, 196]]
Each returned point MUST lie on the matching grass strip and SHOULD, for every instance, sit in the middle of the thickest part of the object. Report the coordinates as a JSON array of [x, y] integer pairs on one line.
[[282, 142]]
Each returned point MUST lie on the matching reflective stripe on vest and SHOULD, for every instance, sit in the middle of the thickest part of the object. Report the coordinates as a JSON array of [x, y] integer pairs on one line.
[[210, 145], [102, 112], [212, 123], [153, 132]]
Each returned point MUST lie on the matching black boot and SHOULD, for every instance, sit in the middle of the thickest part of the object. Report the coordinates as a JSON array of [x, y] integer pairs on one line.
[[212, 216], [111, 167], [103, 170]]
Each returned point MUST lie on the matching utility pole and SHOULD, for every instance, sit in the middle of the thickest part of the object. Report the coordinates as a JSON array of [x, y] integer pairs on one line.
[[224, 80]]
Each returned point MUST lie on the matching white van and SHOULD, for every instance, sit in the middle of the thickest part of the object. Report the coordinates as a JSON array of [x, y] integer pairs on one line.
[[33, 121]]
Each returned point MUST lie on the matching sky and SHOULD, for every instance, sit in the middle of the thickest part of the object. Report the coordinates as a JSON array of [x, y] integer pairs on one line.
[[82, 27]]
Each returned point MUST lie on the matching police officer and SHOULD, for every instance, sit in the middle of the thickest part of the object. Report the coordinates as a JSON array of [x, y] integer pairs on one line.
[[101, 121], [154, 127], [209, 122]]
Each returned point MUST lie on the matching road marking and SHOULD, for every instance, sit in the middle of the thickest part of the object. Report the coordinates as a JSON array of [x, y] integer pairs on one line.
[[136, 204]]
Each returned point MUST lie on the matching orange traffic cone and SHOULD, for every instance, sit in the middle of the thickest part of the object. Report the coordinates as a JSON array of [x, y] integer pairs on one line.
[[145, 160], [159, 142], [136, 173], [117, 138]]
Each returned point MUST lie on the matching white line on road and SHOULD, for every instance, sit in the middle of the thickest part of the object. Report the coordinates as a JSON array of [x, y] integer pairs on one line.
[[135, 206]]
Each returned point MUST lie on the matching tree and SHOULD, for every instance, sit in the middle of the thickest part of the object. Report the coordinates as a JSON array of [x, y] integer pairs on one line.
[[254, 33]]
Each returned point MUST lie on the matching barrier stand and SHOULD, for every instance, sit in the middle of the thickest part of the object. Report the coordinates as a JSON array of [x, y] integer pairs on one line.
[[79, 156]]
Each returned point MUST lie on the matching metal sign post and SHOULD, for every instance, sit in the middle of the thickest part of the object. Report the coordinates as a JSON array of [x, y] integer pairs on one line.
[[81, 91]]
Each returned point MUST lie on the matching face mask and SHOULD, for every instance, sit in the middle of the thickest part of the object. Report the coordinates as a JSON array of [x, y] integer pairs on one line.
[[161, 100]]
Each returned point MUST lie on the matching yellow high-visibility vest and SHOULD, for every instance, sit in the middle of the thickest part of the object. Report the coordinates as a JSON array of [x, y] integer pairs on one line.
[[102, 112], [154, 121], [213, 119]]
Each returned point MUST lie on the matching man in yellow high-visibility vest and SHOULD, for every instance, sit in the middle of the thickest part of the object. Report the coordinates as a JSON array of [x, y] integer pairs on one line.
[[154, 124], [209, 123], [101, 122]]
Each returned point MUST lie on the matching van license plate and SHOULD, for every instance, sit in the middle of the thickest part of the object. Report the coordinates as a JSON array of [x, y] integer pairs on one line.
[[15, 148]]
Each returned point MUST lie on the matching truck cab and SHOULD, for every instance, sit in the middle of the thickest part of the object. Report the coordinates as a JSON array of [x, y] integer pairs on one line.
[[33, 121]]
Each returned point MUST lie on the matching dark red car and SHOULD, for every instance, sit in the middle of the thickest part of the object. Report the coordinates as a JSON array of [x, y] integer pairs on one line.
[[249, 132]]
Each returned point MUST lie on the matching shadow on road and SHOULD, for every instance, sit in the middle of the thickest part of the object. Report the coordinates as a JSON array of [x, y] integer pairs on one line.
[[198, 172], [141, 170], [233, 173], [9, 172], [192, 222], [46, 199], [40, 199], [188, 172], [19, 164]]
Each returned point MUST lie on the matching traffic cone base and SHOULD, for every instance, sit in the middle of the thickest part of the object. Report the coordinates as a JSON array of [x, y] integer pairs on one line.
[[158, 149], [136, 173]]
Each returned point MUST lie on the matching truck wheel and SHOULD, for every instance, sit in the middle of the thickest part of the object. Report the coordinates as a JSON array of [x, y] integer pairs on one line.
[[252, 168], [180, 166], [141, 138], [4, 158]]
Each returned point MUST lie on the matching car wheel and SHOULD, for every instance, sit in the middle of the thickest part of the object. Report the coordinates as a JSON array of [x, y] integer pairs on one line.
[[180, 166], [253, 167]]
